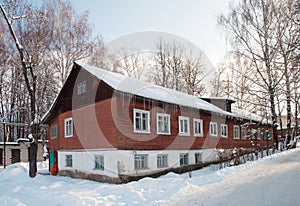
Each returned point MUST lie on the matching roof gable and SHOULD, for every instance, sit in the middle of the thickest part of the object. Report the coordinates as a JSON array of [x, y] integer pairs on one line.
[[133, 86]]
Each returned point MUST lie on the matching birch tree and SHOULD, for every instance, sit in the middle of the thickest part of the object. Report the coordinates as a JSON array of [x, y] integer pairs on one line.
[[251, 26]]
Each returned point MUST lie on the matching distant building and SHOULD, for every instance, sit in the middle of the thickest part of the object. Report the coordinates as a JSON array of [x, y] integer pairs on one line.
[[105, 126], [14, 144], [13, 152]]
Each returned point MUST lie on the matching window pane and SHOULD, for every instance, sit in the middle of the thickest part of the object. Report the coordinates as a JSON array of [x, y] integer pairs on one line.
[[162, 161], [141, 121], [99, 162], [140, 162], [198, 158], [68, 160]]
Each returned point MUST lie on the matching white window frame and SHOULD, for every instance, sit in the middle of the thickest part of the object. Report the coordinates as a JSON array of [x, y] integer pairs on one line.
[[236, 132], [140, 161], [198, 122], [244, 133], [184, 130], [165, 124], [99, 162], [259, 134], [213, 126], [183, 159], [69, 160], [141, 112], [69, 123], [54, 131], [224, 128], [199, 154], [81, 88], [162, 160]]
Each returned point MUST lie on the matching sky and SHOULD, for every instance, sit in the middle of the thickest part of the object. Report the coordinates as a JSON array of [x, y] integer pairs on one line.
[[193, 20]]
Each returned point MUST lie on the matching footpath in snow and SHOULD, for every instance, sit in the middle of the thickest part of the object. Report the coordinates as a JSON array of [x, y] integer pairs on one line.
[[273, 180]]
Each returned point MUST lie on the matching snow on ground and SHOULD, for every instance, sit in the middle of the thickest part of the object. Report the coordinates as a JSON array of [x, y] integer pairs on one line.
[[274, 180]]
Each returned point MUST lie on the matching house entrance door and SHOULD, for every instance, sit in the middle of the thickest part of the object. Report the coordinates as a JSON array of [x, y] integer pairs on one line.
[[15, 156], [53, 161]]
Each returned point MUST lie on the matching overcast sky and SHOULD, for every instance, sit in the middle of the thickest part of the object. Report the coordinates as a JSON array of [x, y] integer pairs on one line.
[[194, 20]]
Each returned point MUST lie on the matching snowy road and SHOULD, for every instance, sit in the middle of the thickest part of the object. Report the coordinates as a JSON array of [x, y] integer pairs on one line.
[[274, 182]]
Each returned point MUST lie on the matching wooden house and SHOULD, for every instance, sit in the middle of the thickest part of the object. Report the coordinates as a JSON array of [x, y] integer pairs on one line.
[[107, 125]]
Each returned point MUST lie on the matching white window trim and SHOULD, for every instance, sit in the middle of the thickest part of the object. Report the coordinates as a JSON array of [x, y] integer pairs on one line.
[[72, 128], [259, 136], [238, 127], [81, 88], [134, 121], [182, 155], [166, 162], [51, 135], [141, 156], [244, 137], [200, 155], [66, 159], [210, 126], [188, 126], [100, 157], [157, 128], [225, 126], [201, 123]]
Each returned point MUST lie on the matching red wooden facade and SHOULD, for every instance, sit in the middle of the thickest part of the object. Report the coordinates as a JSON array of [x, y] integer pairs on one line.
[[103, 118]]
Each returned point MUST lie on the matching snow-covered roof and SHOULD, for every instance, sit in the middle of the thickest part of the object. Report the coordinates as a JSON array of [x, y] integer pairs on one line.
[[248, 115], [133, 86], [218, 98]]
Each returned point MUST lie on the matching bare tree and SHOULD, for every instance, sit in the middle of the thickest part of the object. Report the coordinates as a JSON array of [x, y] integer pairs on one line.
[[193, 72], [287, 34], [54, 36], [218, 81], [70, 37], [30, 81], [251, 26], [132, 64], [99, 56], [179, 67], [239, 84]]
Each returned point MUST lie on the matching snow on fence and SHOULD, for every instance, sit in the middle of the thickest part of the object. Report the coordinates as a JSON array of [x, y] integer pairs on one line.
[[228, 158]]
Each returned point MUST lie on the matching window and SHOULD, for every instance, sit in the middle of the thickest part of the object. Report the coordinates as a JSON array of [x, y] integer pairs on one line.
[[140, 161], [53, 132], [69, 127], [69, 161], [184, 126], [184, 159], [141, 121], [198, 158], [99, 162], [224, 130], [244, 133], [236, 132], [267, 135], [163, 123], [213, 129], [81, 88], [198, 127], [258, 134], [162, 160]]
